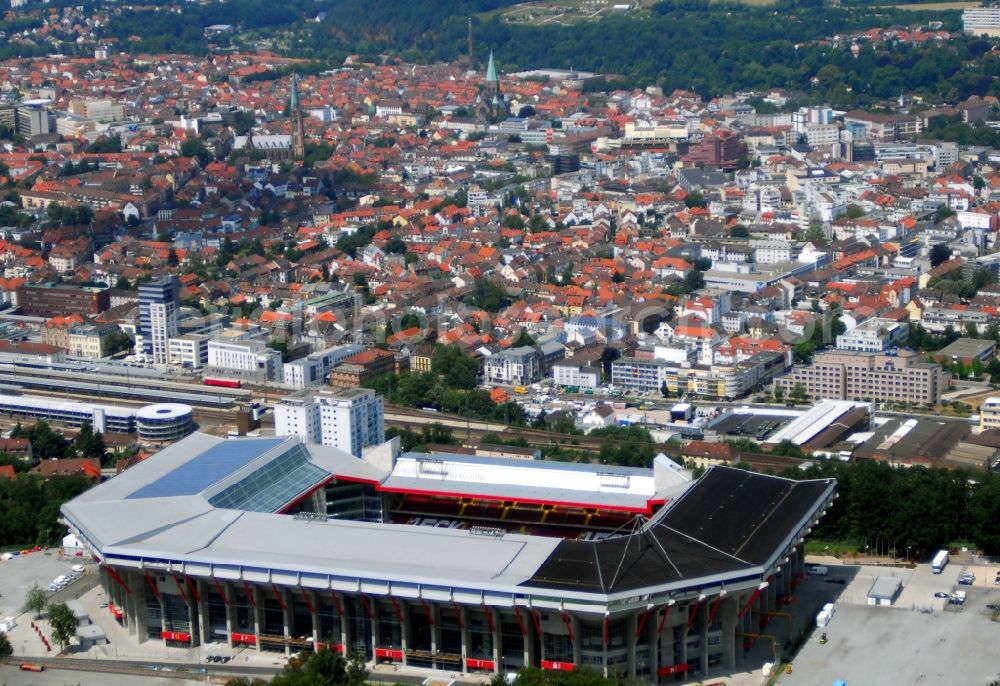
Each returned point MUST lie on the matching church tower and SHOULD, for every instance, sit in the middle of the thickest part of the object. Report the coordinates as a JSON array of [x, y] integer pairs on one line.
[[493, 105], [298, 126]]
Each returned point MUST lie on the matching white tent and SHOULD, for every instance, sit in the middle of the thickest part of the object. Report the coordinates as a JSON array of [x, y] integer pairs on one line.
[[71, 541]]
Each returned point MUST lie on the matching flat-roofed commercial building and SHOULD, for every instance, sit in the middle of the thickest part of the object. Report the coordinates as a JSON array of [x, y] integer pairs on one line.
[[50, 300], [839, 375], [447, 563]]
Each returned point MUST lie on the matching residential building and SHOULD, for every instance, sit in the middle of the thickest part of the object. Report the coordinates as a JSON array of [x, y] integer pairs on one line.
[[514, 366], [874, 335], [347, 418], [981, 21], [159, 301], [90, 340], [842, 375], [103, 110], [312, 370], [580, 375], [250, 359], [359, 368], [989, 413]]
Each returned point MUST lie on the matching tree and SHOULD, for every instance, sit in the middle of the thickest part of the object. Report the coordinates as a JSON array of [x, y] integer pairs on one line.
[[89, 443], [458, 369], [63, 623], [943, 212], [779, 393], [984, 513], [524, 339], [798, 393], [6, 649], [815, 232], [409, 321], [694, 279], [195, 147], [122, 284], [35, 601], [939, 254], [695, 199], [395, 245], [854, 212], [739, 231]]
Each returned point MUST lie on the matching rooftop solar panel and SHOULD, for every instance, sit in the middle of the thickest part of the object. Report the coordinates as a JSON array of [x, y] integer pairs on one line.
[[206, 469]]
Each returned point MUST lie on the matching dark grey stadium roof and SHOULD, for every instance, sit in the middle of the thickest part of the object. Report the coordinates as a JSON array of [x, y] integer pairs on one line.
[[729, 520]]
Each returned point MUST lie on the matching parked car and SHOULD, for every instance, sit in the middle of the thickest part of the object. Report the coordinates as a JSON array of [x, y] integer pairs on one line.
[[940, 594]]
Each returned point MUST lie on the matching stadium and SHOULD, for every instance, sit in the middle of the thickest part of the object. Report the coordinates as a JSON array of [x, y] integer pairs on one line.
[[448, 562]]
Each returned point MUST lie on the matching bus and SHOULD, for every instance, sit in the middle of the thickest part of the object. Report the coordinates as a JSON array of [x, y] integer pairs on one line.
[[31, 667], [940, 561]]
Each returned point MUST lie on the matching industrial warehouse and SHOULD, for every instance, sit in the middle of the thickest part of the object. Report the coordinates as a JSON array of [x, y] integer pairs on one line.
[[448, 562]]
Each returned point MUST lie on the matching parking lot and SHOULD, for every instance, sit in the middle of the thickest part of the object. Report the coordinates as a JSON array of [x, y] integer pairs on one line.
[[20, 573], [921, 639]]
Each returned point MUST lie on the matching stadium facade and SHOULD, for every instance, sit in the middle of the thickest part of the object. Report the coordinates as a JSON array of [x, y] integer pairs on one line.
[[448, 562]]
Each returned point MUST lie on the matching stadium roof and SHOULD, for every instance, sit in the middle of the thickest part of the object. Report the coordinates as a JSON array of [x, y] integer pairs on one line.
[[729, 524], [557, 483]]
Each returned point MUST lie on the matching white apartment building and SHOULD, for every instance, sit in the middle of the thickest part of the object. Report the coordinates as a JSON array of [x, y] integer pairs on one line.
[[822, 135], [570, 374], [311, 370], [346, 418], [989, 414], [103, 110], [248, 358], [772, 252], [189, 350], [981, 20], [873, 336]]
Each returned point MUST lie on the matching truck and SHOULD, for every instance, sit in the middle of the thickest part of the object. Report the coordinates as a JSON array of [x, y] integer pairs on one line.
[[940, 561]]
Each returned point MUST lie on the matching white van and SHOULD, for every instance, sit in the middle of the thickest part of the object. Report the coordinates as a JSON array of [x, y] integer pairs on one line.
[[818, 569]]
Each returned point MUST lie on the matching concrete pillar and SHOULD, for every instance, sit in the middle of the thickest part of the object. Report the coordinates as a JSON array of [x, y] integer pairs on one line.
[[129, 606], [404, 638], [435, 621], [372, 623], [701, 626], [605, 630], [494, 636], [141, 631], [313, 615], [526, 635], [192, 613], [728, 613], [574, 623], [205, 632], [343, 627], [463, 629], [651, 636], [631, 623], [286, 616], [227, 596], [256, 609]]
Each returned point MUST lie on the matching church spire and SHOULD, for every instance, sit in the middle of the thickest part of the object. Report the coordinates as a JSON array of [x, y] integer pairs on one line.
[[491, 71], [298, 126]]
